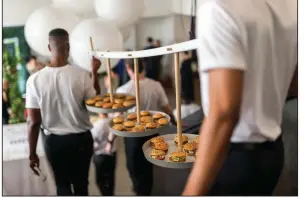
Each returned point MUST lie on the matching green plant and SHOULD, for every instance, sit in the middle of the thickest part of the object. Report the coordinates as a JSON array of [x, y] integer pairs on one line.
[[10, 74]]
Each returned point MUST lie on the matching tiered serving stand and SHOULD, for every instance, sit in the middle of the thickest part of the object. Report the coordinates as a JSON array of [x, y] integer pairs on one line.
[[172, 49]]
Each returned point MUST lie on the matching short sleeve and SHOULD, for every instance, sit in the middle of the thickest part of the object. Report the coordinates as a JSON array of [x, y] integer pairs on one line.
[[89, 89], [163, 99], [220, 39], [32, 100]]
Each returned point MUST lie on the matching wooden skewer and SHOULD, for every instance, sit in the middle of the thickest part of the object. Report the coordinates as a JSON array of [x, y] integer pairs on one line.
[[178, 101], [137, 90], [91, 43], [110, 79]]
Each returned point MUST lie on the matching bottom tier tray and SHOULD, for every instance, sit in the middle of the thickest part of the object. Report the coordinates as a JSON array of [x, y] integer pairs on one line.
[[162, 129], [166, 163]]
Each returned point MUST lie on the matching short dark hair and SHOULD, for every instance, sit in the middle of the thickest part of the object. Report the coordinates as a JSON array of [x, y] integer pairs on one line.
[[186, 52], [58, 32], [130, 63], [33, 57], [150, 39]]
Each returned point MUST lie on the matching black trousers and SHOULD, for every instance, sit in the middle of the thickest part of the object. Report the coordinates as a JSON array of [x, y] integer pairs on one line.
[[250, 172], [140, 169], [69, 157], [105, 173]]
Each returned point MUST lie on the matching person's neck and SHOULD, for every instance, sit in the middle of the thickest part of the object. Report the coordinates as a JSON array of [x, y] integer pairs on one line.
[[58, 62], [140, 76]]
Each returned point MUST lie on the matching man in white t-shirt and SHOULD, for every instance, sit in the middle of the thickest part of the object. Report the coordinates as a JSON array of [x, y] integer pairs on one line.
[[154, 98], [247, 59], [55, 101]]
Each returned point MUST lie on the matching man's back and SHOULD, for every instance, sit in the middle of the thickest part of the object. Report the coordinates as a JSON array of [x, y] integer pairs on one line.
[[60, 94], [152, 94], [265, 33]]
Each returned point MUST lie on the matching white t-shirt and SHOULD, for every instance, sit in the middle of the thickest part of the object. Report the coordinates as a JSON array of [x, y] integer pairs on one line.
[[187, 109], [152, 94], [100, 133], [60, 94], [259, 37]]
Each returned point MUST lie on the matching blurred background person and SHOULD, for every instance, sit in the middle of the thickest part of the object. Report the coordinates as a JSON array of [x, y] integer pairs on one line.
[[158, 62], [6, 111]]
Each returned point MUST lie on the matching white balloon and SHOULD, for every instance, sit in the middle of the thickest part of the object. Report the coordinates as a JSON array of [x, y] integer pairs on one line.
[[126, 32], [80, 7], [42, 21], [121, 12], [105, 36]]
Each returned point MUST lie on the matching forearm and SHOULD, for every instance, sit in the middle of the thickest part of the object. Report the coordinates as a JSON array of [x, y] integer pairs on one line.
[[111, 137], [96, 82], [33, 134], [215, 137], [167, 109]]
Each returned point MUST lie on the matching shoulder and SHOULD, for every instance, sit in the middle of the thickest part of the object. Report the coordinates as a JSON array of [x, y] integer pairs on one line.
[[39, 74], [124, 87], [78, 70]]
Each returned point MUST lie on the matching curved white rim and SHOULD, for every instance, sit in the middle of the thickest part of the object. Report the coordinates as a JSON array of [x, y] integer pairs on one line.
[[169, 49]]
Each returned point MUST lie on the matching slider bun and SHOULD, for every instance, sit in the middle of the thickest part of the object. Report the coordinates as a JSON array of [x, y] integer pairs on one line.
[[158, 116], [144, 113], [190, 146], [130, 98], [128, 103], [118, 127], [151, 125], [107, 105], [155, 152], [99, 104], [129, 124], [118, 101], [132, 116], [116, 106], [90, 102], [107, 99], [118, 120], [163, 121], [157, 139], [97, 98], [138, 128], [178, 154], [120, 95], [161, 146], [146, 119]]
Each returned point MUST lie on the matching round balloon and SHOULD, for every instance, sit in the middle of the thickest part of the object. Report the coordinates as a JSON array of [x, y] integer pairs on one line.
[[105, 36], [42, 21], [121, 12], [80, 7]]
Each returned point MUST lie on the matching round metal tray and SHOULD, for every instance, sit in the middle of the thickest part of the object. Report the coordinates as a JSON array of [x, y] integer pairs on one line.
[[102, 110], [166, 163], [144, 133]]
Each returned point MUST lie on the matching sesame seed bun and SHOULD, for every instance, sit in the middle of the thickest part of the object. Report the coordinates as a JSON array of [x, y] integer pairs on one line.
[[118, 120], [138, 128], [178, 157], [129, 124], [144, 113], [118, 127], [131, 116]]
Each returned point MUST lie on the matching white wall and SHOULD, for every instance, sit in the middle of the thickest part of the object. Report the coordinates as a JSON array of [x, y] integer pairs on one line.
[[157, 8], [161, 28]]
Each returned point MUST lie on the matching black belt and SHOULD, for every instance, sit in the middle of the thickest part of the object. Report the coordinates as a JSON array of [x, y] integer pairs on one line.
[[255, 146]]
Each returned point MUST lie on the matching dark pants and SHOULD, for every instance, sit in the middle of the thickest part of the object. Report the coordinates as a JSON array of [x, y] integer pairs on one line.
[[140, 169], [105, 173], [250, 172], [69, 157]]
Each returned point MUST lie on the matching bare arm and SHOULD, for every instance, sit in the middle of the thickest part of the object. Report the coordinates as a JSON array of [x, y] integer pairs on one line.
[[167, 109], [225, 91], [95, 66], [33, 128]]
